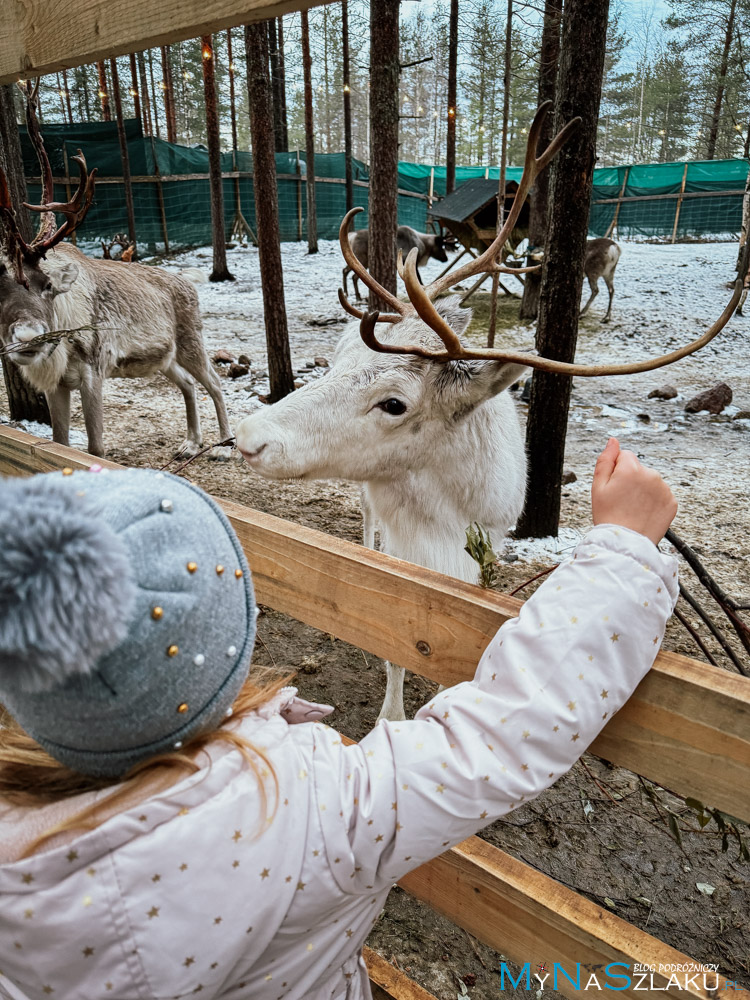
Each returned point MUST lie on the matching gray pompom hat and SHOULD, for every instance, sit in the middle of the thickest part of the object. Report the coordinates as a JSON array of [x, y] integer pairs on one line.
[[127, 614]]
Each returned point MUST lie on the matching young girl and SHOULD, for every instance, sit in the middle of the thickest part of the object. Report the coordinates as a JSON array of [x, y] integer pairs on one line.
[[169, 827]]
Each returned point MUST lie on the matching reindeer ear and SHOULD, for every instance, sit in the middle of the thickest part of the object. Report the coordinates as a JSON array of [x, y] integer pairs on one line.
[[62, 278], [465, 385], [453, 314]]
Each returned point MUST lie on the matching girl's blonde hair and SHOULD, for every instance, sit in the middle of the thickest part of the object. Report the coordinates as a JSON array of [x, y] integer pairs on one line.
[[30, 776]]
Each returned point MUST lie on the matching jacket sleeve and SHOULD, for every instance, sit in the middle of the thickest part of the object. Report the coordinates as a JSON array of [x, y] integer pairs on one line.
[[545, 686]]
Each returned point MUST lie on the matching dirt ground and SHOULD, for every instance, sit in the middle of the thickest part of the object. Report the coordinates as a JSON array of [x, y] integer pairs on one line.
[[596, 830]]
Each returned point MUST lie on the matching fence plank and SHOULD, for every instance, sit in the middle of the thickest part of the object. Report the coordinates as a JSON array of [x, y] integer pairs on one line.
[[687, 726], [42, 36], [528, 916], [390, 983]]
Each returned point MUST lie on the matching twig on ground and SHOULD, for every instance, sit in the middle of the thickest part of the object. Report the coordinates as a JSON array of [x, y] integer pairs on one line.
[[691, 600], [697, 639], [203, 451], [544, 572]]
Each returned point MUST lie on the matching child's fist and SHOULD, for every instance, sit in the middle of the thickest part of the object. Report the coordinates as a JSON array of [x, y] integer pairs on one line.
[[627, 493]]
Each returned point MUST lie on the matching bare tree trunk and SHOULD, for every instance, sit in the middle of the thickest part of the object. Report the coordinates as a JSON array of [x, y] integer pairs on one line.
[[384, 80], [103, 93], [282, 86], [145, 101], [721, 84], [267, 211], [745, 231], [348, 172], [154, 102], [61, 95], [24, 403], [85, 91], [218, 235], [548, 59], [503, 166], [312, 215], [450, 148], [134, 89], [66, 88], [170, 112], [579, 88], [127, 184], [273, 49]]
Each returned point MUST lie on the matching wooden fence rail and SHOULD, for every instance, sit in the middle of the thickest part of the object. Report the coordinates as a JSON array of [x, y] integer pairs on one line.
[[687, 726]]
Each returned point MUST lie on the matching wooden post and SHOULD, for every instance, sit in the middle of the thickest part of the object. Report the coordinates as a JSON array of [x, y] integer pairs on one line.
[[124, 157], [611, 227], [679, 203], [160, 197]]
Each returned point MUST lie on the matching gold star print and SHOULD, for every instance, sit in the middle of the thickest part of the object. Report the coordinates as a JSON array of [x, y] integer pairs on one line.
[[645, 604], [214, 965], [143, 818], [188, 961], [503, 720], [378, 838], [91, 871], [156, 878], [555, 729], [217, 920], [656, 640], [658, 590], [418, 746], [444, 765], [591, 659], [237, 835], [348, 932], [302, 774], [72, 856], [605, 715], [17, 944], [300, 886], [370, 822], [87, 952], [394, 805], [183, 867], [493, 677], [526, 734], [288, 878], [265, 873], [108, 986], [27, 879], [235, 864], [483, 815], [28, 914], [310, 947], [316, 852], [580, 677], [490, 748], [571, 705], [604, 694], [574, 620], [615, 636], [87, 900], [574, 737], [524, 767], [153, 912], [398, 826], [47, 989], [541, 624], [446, 714]]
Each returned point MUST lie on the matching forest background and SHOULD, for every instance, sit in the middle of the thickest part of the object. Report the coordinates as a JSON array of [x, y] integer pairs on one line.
[[676, 84]]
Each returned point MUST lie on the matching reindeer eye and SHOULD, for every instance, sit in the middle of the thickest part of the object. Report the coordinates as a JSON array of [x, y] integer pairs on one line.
[[393, 406], [48, 287]]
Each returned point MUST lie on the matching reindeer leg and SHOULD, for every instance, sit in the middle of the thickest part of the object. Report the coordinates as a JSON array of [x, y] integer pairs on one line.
[[93, 411], [194, 440], [201, 370], [594, 286], [355, 285], [343, 280], [58, 401], [393, 704], [611, 287]]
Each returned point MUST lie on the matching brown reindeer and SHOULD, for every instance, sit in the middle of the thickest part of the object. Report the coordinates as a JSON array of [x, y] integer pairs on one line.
[[407, 239], [601, 259], [114, 321]]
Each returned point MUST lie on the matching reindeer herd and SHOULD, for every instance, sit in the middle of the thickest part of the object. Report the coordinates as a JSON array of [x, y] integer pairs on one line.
[[407, 409]]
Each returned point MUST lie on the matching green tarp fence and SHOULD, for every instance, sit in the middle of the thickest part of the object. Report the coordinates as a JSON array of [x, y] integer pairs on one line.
[[171, 191]]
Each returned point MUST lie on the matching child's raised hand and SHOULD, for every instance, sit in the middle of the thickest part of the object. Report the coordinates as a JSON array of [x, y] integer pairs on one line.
[[627, 493]]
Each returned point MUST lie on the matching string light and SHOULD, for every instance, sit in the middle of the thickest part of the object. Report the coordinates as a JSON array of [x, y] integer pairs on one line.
[[347, 88], [662, 132], [523, 131], [162, 85], [206, 52], [420, 109], [188, 75], [738, 128], [451, 112], [481, 128], [231, 67], [133, 92], [102, 94], [63, 93]]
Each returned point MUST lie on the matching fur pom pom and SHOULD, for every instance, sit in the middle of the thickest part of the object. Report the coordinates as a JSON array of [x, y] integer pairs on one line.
[[66, 586]]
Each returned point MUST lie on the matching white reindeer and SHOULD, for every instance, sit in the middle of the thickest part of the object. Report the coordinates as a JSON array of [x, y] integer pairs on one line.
[[430, 434], [131, 321]]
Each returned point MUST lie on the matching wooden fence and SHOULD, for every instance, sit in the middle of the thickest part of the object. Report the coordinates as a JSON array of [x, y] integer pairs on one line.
[[687, 727]]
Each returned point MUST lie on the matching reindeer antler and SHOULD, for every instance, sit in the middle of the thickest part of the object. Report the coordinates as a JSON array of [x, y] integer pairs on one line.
[[421, 297], [401, 308], [48, 234]]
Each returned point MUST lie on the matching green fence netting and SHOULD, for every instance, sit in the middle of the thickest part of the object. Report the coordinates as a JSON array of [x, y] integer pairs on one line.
[[700, 199]]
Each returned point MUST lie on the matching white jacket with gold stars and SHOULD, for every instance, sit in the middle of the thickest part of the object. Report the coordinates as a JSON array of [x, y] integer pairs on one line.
[[181, 894]]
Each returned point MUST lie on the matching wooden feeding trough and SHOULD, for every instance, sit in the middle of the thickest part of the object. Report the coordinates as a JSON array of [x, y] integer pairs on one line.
[[686, 727], [470, 214]]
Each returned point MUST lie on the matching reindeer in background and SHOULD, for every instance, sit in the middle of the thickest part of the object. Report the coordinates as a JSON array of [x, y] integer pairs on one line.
[[430, 433], [407, 239], [113, 321], [601, 259]]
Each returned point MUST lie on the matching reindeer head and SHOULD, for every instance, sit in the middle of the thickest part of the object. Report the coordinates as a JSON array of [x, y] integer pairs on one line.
[[26, 289]]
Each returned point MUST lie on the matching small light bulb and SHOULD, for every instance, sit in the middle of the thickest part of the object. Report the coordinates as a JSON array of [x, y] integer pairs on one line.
[[206, 52], [133, 92], [347, 88], [231, 67], [102, 93]]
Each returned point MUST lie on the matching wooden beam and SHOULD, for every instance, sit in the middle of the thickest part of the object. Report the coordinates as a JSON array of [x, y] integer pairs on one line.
[[527, 916], [687, 726], [42, 36], [390, 983]]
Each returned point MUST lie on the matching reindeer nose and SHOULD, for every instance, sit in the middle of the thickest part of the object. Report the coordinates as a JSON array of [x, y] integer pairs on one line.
[[24, 331]]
